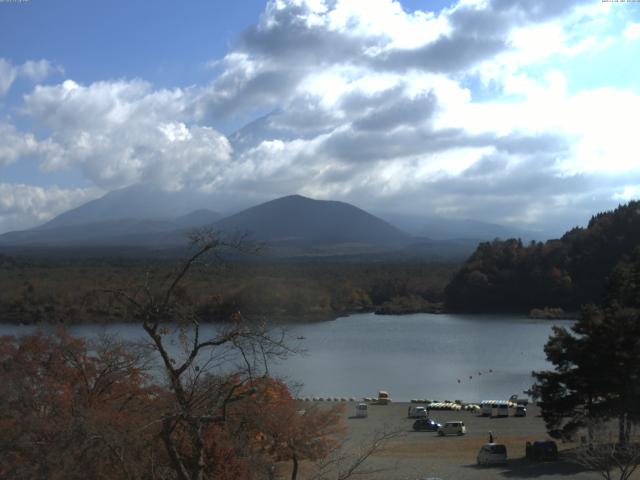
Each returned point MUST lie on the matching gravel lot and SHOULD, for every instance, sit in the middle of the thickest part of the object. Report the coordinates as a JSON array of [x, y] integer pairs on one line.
[[413, 455]]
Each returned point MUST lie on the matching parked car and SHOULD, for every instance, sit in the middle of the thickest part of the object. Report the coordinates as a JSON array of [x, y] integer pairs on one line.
[[426, 425], [500, 409], [521, 411], [417, 412], [383, 398], [492, 454], [452, 428], [542, 450]]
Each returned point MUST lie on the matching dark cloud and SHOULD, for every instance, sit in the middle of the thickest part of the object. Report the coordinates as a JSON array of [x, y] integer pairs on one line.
[[486, 166], [521, 144], [241, 92], [402, 111], [305, 115], [357, 146], [289, 40], [446, 55]]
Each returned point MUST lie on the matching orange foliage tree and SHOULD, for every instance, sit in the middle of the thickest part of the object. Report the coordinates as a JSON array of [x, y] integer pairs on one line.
[[73, 410]]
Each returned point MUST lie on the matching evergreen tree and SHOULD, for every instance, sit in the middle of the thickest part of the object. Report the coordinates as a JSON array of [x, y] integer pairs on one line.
[[597, 363]]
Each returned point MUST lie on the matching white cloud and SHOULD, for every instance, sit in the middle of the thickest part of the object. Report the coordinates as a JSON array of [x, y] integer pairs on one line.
[[15, 145], [8, 74], [34, 70], [22, 206], [123, 132], [38, 70], [628, 192], [632, 31]]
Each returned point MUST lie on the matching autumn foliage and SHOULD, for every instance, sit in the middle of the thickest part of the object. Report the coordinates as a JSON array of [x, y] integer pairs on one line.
[[76, 409], [68, 411]]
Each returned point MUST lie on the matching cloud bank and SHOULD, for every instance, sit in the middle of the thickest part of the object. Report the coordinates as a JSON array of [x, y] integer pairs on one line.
[[466, 112]]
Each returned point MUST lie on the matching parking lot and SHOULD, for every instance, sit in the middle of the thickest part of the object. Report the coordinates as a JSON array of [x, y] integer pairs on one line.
[[412, 455]]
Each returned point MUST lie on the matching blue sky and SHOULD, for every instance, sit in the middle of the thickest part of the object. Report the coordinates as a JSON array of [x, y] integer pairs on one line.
[[164, 41], [516, 112]]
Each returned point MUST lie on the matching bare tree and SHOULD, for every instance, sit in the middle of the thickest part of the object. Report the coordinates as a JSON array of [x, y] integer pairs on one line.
[[213, 371], [343, 463], [612, 460]]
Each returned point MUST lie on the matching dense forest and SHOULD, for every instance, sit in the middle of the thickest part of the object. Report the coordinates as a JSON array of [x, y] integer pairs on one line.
[[565, 273], [67, 290]]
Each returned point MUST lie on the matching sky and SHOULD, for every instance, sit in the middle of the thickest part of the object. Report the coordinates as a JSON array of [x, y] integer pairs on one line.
[[518, 112]]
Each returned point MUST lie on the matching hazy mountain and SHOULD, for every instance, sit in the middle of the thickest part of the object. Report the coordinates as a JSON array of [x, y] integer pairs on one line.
[[439, 228], [146, 217], [295, 223], [197, 218], [298, 220], [120, 232], [123, 232], [140, 202]]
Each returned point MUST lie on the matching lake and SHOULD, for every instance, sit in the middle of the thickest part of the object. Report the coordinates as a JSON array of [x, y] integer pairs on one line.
[[467, 357]]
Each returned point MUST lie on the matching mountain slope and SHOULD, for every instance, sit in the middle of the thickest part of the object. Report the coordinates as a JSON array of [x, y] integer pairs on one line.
[[141, 202], [298, 220], [126, 232]]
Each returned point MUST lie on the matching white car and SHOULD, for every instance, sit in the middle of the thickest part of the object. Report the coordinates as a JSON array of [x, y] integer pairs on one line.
[[417, 412], [452, 428], [492, 454]]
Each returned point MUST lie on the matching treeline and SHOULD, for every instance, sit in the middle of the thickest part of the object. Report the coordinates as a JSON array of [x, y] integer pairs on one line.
[[565, 273], [66, 290]]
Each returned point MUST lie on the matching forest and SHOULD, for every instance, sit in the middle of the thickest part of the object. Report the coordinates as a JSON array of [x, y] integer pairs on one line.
[[70, 290], [507, 276]]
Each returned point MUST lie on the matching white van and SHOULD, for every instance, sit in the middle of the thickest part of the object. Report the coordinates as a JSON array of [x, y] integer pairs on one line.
[[492, 454], [500, 409], [485, 407], [416, 412], [383, 397], [452, 428], [362, 410]]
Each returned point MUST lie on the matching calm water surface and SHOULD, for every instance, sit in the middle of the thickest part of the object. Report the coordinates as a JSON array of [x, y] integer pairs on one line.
[[468, 357]]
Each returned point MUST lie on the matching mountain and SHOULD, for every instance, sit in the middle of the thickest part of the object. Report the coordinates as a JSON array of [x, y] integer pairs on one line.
[[299, 221], [145, 217], [292, 225], [137, 202], [439, 228], [197, 218], [125, 232]]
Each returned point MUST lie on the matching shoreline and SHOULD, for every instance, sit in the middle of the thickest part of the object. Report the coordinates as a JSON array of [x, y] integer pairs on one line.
[[11, 318]]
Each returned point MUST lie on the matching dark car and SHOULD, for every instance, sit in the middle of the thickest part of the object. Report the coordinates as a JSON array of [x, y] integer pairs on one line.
[[426, 424], [542, 450]]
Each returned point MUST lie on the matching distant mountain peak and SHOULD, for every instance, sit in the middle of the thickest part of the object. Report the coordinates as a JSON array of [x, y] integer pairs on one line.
[[299, 219]]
